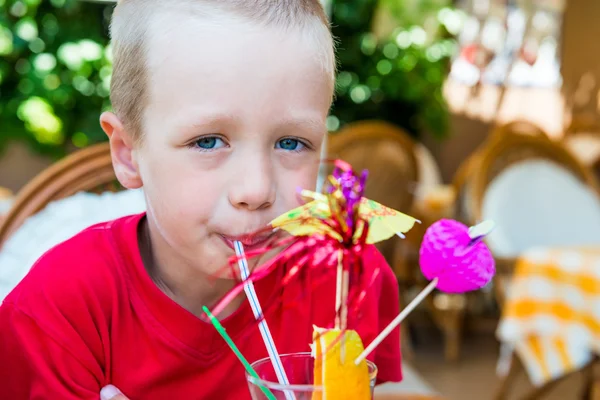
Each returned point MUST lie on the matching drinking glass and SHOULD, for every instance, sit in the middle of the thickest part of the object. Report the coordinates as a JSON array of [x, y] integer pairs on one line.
[[299, 368]]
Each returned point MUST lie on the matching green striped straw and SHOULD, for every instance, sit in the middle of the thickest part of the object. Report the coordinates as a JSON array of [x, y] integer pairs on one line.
[[237, 352]]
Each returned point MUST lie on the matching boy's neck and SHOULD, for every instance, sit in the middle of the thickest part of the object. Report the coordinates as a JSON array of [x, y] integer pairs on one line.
[[184, 284]]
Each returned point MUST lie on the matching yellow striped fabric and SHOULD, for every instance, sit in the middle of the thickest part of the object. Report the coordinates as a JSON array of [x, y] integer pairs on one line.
[[551, 316]]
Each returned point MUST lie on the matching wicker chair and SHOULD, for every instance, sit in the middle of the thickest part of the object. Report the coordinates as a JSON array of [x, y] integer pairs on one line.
[[499, 155], [519, 127], [88, 170], [510, 149], [462, 177]]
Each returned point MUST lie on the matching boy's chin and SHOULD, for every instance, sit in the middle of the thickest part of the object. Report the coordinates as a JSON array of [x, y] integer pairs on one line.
[[227, 273]]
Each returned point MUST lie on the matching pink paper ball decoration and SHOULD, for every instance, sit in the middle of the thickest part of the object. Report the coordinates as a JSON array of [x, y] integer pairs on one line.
[[445, 254]]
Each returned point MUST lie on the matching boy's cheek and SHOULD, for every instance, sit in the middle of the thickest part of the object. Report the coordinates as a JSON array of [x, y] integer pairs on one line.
[[179, 200], [291, 190]]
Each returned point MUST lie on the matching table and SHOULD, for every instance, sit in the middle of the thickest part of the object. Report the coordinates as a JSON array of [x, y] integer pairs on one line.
[[551, 316]]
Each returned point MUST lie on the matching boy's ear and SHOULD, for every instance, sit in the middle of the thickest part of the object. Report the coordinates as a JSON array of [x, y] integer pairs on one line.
[[122, 151]]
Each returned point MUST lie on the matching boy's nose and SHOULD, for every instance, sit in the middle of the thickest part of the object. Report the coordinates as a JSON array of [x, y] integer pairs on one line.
[[254, 188]]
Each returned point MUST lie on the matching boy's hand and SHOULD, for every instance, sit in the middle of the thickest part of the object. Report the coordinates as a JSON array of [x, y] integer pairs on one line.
[[111, 393]]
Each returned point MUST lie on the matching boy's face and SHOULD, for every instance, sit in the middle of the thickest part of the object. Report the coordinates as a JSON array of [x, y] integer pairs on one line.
[[234, 127]]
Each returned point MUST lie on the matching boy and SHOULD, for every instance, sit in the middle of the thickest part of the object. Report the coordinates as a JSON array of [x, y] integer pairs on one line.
[[220, 109]]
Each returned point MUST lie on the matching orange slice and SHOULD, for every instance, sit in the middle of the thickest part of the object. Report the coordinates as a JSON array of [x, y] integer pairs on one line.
[[335, 369]]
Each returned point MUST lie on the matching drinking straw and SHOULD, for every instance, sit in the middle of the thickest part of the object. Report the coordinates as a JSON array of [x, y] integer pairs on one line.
[[237, 352], [262, 325]]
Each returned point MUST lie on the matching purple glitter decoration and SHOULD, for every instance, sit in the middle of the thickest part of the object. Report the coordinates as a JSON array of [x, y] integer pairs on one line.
[[352, 190]]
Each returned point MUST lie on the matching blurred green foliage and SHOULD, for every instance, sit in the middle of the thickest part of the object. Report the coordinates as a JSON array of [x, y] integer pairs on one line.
[[396, 75], [55, 69]]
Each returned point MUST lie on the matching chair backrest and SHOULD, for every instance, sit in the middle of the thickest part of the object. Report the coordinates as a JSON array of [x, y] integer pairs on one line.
[[512, 148], [538, 192], [89, 169], [519, 127], [388, 153], [465, 207]]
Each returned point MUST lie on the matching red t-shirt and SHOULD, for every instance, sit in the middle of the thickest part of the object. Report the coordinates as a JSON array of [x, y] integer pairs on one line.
[[88, 314]]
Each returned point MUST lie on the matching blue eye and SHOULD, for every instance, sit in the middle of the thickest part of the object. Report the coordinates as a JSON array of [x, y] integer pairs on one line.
[[209, 143], [290, 144]]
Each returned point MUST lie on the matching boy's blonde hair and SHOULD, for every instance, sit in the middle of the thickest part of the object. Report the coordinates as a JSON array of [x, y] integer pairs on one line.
[[129, 35]]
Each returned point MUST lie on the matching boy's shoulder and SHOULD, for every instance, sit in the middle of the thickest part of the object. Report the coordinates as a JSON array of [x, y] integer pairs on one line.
[[82, 267]]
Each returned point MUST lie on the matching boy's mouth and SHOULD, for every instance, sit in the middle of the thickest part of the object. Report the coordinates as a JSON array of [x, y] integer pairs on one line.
[[251, 241]]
